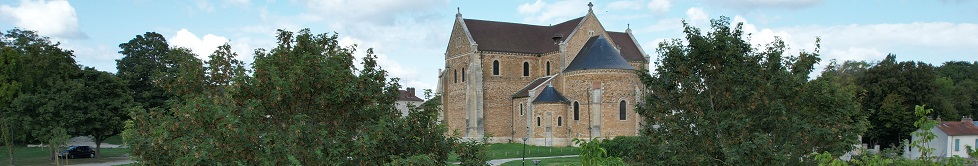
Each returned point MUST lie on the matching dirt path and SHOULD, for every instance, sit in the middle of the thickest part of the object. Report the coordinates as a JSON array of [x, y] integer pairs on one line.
[[528, 159]]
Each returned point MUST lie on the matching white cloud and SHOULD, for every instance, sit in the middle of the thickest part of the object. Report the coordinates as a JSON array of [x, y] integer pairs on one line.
[[660, 6], [625, 4], [696, 15], [203, 47], [204, 5], [49, 18], [755, 4], [239, 2], [375, 11], [541, 12]]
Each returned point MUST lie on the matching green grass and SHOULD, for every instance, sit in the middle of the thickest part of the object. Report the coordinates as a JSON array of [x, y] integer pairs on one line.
[[40, 156], [549, 161], [515, 150], [115, 140]]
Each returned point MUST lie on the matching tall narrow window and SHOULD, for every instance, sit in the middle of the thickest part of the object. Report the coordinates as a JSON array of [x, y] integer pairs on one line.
[[521, 109], [526, 69], [548, 68], [957, 144], [621, 110], [559, 121], [495, 67], [455, 75], [577, 111], [538, 121], [463, 74]]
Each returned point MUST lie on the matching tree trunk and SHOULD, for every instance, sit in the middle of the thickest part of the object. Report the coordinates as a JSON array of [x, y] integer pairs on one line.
[[98, 148], [53, 155]]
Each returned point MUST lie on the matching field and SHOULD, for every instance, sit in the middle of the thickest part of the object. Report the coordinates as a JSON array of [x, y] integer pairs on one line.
[[549, 161], [39, 156]]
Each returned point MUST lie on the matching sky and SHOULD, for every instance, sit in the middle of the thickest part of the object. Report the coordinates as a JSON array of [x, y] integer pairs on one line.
[[410, 36]]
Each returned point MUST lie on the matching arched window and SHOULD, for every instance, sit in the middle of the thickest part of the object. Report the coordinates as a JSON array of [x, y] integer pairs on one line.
[[526, 69], [463, 74], [455, 75], [495, 67], [521, 109], [577, 111], [559, 121], [621, 110], [538, 121], [548, 68]]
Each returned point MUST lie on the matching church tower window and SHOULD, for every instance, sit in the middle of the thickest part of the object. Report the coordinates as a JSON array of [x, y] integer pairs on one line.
[[526, 69], [559, 121], [621, 110], [463, 74], [548, 68], [521, 109], [577, 111], [538, 121], [455, 75], [495, 67]]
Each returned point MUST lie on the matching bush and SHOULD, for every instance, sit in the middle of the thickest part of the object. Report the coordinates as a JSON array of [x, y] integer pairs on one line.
[[627, 148], [472, 152]]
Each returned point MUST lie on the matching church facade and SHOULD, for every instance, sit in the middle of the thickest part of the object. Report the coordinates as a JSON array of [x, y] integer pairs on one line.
[[548, 84]]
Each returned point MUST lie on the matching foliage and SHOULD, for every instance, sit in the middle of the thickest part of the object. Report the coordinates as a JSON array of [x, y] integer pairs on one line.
[[891, 90], [593, 154], [718, 101], [419, 160], [958, 88], [145, 57], [102, 103], [305, 103], [628, 148], [473, 152], [924, 133]]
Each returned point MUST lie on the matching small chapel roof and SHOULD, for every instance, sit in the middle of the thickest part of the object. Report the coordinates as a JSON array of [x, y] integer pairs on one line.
[[550, 95], [525, 92], [598, 54]]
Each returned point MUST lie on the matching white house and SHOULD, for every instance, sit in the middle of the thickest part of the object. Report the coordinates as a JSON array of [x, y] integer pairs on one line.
[[952, 137], [407, 98]]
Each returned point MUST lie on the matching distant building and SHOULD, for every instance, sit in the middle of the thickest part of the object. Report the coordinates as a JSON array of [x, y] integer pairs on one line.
[[952, 137], [548, 84], [407, 98]]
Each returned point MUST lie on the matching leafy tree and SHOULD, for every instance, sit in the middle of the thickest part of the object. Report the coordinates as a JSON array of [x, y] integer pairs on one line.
[[42, 76], [145, 57], [304, 104], [593, 154], [103, 103], [9, 88], [718, 101], [959, 88], [891, 90]]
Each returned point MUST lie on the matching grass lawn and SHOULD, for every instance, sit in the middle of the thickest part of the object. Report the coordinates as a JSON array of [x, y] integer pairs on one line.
[[549, 161], [39, 156], [115, 140], [515, 150]]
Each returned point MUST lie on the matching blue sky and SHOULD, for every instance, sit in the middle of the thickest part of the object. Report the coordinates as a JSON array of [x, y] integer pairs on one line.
[[410, 36]]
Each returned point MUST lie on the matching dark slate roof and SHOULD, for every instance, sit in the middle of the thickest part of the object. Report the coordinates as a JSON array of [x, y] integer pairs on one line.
[[404, 95], [550, 95], [519, 38], [598, 54], [955, 128], [525, 92], [629, 50]]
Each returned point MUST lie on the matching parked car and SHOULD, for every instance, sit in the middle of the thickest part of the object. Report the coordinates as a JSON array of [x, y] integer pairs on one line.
[[77, 151]]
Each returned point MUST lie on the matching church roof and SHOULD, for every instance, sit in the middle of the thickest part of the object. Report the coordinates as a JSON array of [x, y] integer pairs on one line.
[[550, 95], [519, 38], [629, 50], [598, 54], [525, 92]]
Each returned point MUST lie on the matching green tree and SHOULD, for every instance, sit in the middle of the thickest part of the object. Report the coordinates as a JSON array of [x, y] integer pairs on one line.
[[304, 104], [103, 102], [145, 57], [960, 89], [9, 88], [891, 90], [718, 101]]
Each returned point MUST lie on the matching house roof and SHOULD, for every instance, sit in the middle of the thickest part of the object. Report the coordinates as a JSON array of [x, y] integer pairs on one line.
[[629, 50], [550, 95], [598, 54], [519, 38], [404, 95], [956, 128], [525, 92]]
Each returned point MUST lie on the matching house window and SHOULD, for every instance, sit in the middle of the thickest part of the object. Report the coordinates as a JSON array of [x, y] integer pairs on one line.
[[538, 121], [621, 110], [463, 74], [526, 69], [559, 121], [521, 109], [957, 144], [495, 67], [577, 111], [455, 75], [548, 68]]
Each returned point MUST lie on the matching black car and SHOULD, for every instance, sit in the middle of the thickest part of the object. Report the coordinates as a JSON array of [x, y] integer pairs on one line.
[[77, 151]]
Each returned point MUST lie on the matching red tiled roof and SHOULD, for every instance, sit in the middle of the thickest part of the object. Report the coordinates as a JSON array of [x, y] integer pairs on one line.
[[519, 38], [955, 128], [629, 50], [407, 96], [525, 92]]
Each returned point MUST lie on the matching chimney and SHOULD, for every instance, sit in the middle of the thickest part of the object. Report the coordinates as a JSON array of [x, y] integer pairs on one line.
[[410, 91], [966, 119]]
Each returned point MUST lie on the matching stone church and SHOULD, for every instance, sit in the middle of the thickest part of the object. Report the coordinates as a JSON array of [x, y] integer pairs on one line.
[[549, 84]]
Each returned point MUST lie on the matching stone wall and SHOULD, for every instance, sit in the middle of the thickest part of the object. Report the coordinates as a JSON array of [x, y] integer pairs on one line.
[[613, 86], [499, 89]]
